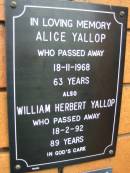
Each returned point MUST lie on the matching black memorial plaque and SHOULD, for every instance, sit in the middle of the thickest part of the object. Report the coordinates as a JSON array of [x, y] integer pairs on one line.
[[65, 69]]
